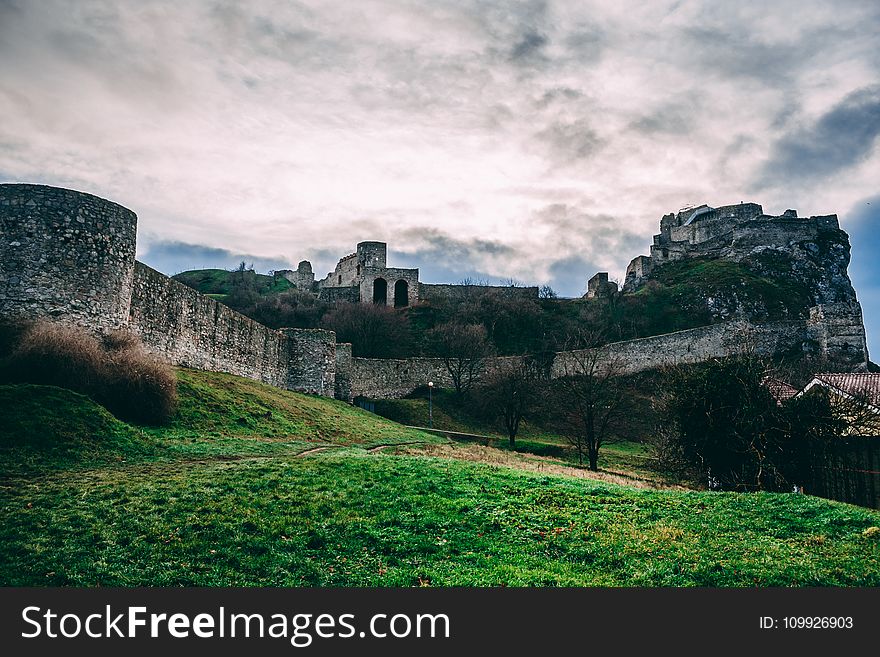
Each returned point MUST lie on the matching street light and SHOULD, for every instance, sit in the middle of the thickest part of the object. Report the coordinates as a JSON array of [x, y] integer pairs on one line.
[[430, 404]]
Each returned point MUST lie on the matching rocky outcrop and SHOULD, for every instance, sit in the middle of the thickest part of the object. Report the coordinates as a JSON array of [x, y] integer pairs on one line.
[[803, 260]]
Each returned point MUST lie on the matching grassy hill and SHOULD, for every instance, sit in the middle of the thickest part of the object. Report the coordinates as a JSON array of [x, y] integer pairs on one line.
[[218, 283], [251, 485]]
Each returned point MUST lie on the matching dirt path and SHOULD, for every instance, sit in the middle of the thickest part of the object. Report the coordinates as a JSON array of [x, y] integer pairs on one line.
[[376, 448], [313, 450], [530, 463]]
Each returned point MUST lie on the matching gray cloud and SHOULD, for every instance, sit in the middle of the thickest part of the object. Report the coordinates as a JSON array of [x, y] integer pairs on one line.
[[558, 95], [670, 118], [586, 44], [722, 52], [839, 139], [569, 142], [301, 127], [569, 275], [529, 47], [442, 258], [435, 243], [173, 257], [571, 222]]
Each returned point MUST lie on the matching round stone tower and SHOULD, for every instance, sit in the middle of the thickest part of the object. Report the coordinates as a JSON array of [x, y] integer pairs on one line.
[[304, 277], [65, 255], [372, 254]]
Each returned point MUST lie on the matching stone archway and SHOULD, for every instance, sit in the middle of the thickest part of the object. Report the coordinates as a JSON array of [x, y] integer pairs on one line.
[[380, 291], [401, 294]]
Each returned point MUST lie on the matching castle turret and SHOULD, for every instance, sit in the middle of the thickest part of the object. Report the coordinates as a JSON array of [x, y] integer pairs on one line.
[[304, 277], [372, 254], [600, 286], [65, 255]]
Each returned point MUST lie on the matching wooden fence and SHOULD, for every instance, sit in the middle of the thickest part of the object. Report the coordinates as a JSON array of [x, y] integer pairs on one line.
[[847, 470]]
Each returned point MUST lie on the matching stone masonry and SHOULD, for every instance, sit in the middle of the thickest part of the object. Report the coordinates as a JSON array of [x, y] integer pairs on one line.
[[69, 257], [64, 254]]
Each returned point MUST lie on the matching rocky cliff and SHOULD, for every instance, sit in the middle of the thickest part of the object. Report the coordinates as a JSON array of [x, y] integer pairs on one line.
[[744, 264]]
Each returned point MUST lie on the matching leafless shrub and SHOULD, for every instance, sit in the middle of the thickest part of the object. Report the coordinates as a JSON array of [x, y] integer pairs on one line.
[[139, 386], [120, 340], [51, 354], [114, 370]]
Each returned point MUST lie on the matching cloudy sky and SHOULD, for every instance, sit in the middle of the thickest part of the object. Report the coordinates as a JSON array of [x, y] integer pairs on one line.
[[535, 140]]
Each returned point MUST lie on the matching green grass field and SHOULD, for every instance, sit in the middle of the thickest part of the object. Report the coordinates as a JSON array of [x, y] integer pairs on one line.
[[452, 413], [251, 485]]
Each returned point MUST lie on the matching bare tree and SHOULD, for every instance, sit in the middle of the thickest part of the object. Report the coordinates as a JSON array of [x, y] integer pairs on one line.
[[509, 392], [591, 395], [512, 282], [547, 292], [470, 281], [463, 349]]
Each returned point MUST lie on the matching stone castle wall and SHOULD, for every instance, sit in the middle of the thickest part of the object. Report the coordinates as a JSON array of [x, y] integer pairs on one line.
[[64, 254], [345, 274], [69, 257], [343, 371], [372, 254], [778, 231], [302, 278], [838, 329], [394, 378], [441, 292], [689, 346], [193, 330], [311, 364], [391, 276], [389, 379], [709, 223], [340, 294]]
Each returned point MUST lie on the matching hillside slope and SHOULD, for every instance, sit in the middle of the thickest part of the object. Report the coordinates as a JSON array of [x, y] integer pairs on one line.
[[221, 282], [256, 486]]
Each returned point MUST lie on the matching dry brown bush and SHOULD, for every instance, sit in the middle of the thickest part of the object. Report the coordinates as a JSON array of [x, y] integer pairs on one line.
[[120, 340], [139, 386], [114, 370], [51, 354]]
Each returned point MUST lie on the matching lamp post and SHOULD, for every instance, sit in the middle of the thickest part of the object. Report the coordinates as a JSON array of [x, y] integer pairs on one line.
[[430, 404]]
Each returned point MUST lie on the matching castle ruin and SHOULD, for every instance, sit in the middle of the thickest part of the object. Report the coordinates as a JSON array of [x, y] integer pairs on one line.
[[365, 277], [70, 257], [706, 231]]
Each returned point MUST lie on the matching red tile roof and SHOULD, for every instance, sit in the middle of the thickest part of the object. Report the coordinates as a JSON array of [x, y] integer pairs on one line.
[[857, 384], [780, 390]]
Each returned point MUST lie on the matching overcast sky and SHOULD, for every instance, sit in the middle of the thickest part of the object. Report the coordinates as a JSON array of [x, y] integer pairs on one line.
[[534, 140]]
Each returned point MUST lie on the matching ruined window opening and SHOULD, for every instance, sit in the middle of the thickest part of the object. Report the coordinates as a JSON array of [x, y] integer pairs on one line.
[[359, 270], [380, 291], [340, 279], [401, 294]]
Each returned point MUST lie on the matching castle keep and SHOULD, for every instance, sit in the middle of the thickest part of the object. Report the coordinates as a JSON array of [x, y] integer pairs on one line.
[[364, 277], [70, 257]]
